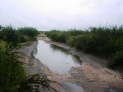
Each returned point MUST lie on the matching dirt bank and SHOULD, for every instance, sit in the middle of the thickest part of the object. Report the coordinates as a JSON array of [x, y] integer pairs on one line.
[[95, 79], [31, 64], [92, 75], [57, 82]]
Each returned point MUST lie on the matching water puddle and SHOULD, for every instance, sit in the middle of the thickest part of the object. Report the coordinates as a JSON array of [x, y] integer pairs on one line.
[[57, 59]]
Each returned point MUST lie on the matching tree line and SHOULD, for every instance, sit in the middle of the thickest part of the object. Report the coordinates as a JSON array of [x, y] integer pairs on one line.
[[12, 73], [101, 41]]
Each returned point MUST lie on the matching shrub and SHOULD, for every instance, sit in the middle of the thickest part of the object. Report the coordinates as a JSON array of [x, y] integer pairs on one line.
[[11, 71], [117, 59], [101, 41], [28, 31]]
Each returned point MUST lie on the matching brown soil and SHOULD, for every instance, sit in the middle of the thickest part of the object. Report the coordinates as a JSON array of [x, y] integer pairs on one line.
[[91, 77]]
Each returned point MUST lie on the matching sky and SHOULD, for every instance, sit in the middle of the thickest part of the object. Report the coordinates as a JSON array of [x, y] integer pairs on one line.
[[61, 14]]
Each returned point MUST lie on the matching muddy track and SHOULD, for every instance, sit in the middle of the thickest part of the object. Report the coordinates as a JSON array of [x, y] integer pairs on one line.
[[58, 83], [91, 76]]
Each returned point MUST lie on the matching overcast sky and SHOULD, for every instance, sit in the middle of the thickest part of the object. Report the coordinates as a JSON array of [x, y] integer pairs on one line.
[[61, 14]]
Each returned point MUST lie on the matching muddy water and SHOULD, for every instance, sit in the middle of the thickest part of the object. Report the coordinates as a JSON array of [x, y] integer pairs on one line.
[[56, 58], [59, 61]]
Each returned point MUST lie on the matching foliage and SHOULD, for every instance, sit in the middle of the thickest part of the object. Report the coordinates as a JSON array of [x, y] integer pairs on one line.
[[10, 35], [12, 74], [101, 41], [11, 70], [15, 36], [28, 31]]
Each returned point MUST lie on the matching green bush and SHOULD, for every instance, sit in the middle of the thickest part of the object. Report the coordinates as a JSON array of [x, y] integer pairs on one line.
[[12, 74], [13, 36], [117, 59], [11, 70], [71, 40], [28, 31], [10, 35], [100, 41], [57, 36]]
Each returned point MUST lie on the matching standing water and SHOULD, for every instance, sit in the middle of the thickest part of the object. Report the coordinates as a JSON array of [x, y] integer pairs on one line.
[[59, 61], [56, 58]]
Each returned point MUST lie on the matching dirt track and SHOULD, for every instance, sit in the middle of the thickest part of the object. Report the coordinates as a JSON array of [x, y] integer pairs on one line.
[[91, 76]]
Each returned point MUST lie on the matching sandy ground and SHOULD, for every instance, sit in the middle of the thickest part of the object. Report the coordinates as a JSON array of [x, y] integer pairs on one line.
[[92, 76], [58, 83], [97, 79]]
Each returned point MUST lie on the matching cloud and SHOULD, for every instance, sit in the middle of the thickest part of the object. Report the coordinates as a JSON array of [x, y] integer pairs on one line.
[[61, 14]]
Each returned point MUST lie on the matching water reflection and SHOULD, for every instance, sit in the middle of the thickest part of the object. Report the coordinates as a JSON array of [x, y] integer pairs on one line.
[[77, 58], [59, 48], [57, 59]]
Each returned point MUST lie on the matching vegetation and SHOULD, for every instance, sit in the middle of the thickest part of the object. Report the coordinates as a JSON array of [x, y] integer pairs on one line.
[[12, 73], [106, 42], [15, 36], [101, 41], [28, 33]]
